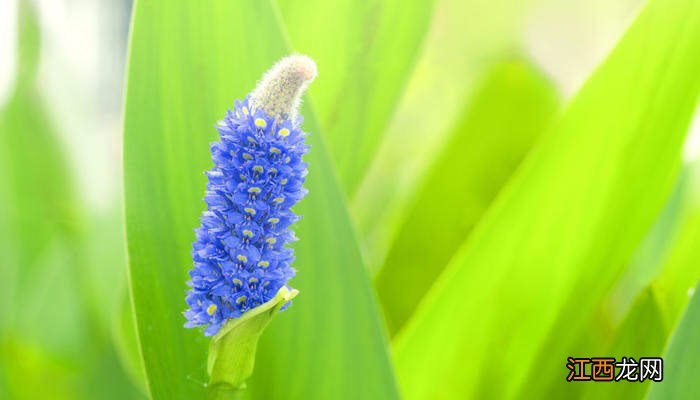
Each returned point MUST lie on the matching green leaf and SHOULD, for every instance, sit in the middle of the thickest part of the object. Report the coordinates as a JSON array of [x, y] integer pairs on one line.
[[332, 338], [126, 343], [680, 270], [466, 39], [232, 350], [649, 257], [30, 157], [38, 232], [181, 81], [642, 333], [364, 64], [565, 226], [668, 252], [636, 304], [49, 329], [681, 358], [506, 116]]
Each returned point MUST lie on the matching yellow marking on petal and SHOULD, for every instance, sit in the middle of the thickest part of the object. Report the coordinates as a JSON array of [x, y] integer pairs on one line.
[[241, 299], [271, 240], [275, 150], [254, 189], [247, 156], [283, 181], [249, 210], [278, 199], [261, 123], [237, 281], [242, 258], [273, 170], [264, 264], [242, 176], [258, 168], [245, 110], [284, 132], [273, 220], [247, 232], [287, 160], [211, 309], [253, 280]]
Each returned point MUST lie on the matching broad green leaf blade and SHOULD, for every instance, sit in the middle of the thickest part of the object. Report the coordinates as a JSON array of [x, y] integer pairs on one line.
[[126, 343], [181, 81], [634, 305], [681, 266], [670, 248], [30, 157], [232, 350], [649, 257], [330, 345], [187, 65], [365, 51], [499, 126], [49, 330], [465, 39], [566, 225], [642, 333], [681, 358]]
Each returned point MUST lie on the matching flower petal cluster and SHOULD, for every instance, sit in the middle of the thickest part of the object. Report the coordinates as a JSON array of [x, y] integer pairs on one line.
[[241, 258]]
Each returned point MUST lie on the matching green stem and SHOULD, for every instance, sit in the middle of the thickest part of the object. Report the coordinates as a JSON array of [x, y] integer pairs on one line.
[[224, 391], [232, 350]]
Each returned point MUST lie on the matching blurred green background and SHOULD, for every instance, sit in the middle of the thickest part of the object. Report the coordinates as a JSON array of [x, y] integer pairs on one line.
[[494, 186]]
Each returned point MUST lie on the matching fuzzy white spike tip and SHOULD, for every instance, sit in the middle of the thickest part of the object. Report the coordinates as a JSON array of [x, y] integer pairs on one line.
[[279, 91]]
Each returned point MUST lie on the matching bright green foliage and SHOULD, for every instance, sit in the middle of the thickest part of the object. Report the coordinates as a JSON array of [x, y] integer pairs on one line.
[[332, 334], [49, 327], [565, 227], [503, 237], [498, 127], [179, 85], [29, 222], [365, 50], [187, 65], [126, 342], [642, 333], [466, 39], [680, 359], [232, 350], [681, 266]]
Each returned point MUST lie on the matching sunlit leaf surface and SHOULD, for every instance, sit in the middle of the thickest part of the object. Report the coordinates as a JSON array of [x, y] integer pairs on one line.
[[565, 227], [188, 63], [498, 127]]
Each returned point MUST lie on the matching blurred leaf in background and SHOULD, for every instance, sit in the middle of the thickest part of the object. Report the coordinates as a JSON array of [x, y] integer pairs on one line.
[[465, 40], [365, 51], [180, 83], [652, 310], [680, 359], [511, 267], [642, 333], [562, 232], [498, 127], [50, 331]]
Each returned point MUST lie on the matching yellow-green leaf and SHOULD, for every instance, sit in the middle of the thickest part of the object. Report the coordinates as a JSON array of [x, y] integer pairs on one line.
[[188, 63], [500, 124], [566, 225]]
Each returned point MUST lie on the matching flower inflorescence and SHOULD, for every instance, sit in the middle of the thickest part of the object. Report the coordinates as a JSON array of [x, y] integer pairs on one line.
[[240, 256]]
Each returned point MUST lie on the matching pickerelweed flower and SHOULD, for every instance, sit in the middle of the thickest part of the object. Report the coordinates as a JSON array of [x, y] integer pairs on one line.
[[241, 258]]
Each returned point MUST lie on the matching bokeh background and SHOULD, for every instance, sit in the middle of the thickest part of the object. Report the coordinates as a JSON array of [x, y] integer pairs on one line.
[[66, 320]]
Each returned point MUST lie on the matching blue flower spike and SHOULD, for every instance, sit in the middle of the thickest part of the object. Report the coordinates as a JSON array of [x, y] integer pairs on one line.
[[242, 261]]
